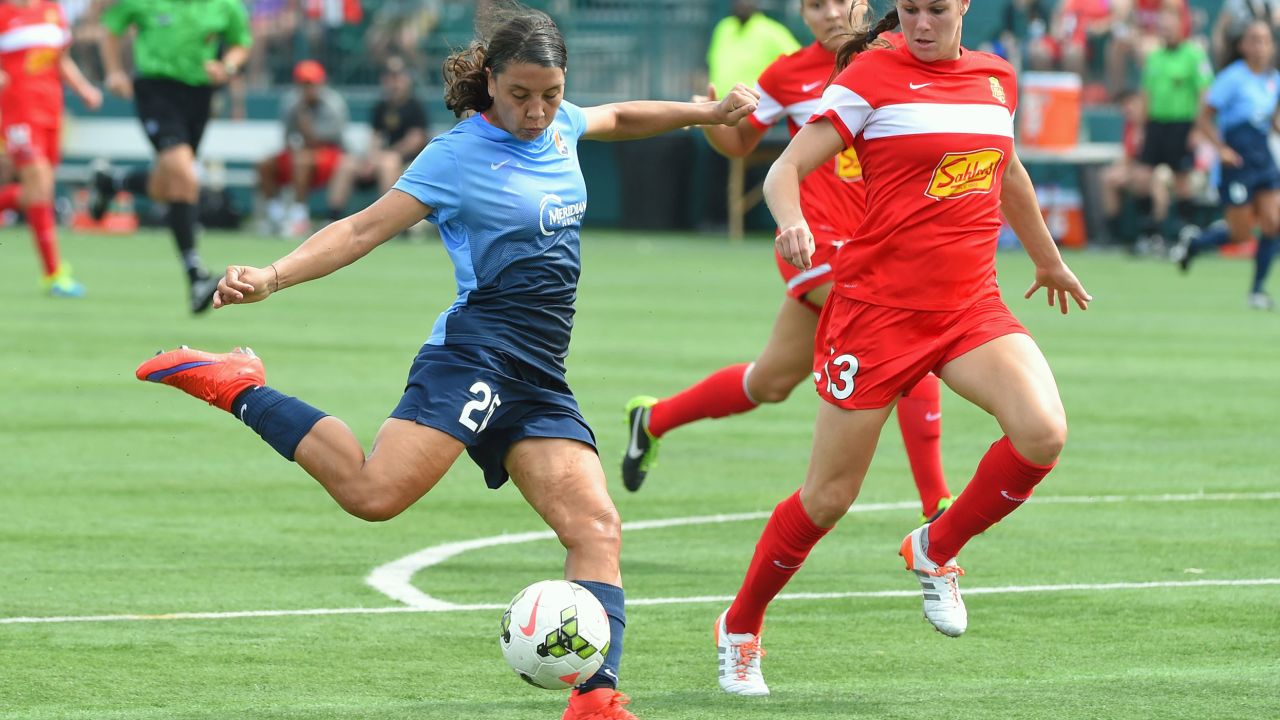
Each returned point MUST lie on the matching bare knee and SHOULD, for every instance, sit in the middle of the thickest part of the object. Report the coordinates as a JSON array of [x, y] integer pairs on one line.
[[599, 532], [827, 502], [771, 386], [374, 508], [1041, 442]]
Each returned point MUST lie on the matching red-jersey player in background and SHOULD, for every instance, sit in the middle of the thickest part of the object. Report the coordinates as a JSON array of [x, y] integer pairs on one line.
[[915, 291], [834, 202], [33, 65]]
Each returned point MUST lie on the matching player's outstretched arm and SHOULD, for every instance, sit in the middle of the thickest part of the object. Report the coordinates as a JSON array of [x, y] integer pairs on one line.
[[815, 144], [336, 246], [733, 141], [644, 118], [1022, 210]]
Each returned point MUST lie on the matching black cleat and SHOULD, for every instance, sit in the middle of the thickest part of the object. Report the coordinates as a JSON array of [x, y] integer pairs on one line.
[[202, 291], [102, 189], [642, 448]]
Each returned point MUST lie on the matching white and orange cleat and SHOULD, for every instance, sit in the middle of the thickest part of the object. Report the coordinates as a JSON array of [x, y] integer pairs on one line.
[[943, 605], [214, 378], [739, 655]]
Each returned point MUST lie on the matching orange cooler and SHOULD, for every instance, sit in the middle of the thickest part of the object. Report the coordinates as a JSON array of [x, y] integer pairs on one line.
[[1049, 110]]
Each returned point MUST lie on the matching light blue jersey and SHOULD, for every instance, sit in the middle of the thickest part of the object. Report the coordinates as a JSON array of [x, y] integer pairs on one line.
[[1240, 96], [509, 213]]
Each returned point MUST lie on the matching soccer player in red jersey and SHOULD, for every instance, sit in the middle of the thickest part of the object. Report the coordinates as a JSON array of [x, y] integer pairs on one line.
[[915, 291], [33, 65], [834, 201]]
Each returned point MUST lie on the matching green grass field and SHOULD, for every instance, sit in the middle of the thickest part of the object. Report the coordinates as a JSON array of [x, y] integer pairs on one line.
[[123, 499]]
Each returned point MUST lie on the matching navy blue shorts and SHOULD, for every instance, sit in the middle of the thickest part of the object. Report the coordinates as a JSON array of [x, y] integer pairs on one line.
[[1238, 185], [489, 400]]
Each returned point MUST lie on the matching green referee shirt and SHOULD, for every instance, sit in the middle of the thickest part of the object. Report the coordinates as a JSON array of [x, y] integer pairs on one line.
[[176, 37], [1173, 79]]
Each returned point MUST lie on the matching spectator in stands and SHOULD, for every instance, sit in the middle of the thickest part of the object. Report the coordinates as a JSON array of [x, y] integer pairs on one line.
[[315, 118], [399, 123], [1119, 177], [399, 28], [1023, 38], [1233, 18], [1081, 31], [324, 22], [1174, 79], [182, 50], [274, 24]]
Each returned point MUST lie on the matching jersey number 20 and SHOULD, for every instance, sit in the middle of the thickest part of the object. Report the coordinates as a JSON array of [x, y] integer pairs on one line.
[[486, 403]]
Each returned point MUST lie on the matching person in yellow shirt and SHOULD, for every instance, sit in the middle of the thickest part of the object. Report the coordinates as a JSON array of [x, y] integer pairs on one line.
[[742, 46], [744, 43]]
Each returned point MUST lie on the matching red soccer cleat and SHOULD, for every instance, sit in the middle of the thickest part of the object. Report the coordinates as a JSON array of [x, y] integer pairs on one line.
[[601, 704], [215, 379]]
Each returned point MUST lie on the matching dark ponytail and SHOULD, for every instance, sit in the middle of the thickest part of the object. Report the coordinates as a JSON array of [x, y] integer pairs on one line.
[[862, 39], [507, 33]]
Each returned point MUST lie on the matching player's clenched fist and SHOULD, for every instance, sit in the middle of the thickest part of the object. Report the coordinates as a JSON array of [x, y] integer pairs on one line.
[[795, 245], [243, 284], [738, 104]]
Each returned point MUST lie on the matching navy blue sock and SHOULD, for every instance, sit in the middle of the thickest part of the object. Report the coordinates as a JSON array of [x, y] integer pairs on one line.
[[1215, 237], [281, 420], [1262, 260], [613, 598]]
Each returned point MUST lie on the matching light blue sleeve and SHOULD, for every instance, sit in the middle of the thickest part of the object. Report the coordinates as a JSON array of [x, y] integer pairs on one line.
[[434, 178], [1223, 88], [576, 119]]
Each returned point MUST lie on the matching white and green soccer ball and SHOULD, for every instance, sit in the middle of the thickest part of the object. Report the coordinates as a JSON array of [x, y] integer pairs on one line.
[[555, 634]]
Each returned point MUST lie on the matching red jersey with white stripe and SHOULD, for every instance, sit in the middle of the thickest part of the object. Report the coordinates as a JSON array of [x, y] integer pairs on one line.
[[832, 196], [934, 139], [32, 40]]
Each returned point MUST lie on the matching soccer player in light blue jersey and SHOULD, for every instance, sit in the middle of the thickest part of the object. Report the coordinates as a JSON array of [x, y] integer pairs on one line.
[[507, 192], [1237, 116]]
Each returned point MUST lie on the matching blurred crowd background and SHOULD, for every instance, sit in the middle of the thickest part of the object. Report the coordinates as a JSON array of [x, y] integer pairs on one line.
[[627, 49]]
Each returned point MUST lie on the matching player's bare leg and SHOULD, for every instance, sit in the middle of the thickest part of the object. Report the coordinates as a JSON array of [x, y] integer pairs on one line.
[[563, 481]]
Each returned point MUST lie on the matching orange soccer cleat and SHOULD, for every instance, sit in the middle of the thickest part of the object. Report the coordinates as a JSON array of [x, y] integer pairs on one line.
[[601, 704], [215, 378]]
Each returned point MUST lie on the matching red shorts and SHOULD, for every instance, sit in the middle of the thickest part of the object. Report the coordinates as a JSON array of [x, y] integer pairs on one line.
[[326, 158], [28, 143], [866, 355], [802, 282]]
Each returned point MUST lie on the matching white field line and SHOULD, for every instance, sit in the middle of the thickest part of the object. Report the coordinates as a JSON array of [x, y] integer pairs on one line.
[[720, 599], [393, 579]]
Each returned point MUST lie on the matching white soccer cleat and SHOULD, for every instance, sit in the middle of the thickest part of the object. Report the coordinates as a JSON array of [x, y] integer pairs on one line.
[[740, 655], [943, 605]]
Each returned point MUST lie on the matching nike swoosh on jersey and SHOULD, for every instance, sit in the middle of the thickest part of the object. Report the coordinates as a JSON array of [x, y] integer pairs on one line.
[[915, 86], [810, 87], [495, 166]]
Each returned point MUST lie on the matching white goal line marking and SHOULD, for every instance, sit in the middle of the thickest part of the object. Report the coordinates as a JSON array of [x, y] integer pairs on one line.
[[393, 579]]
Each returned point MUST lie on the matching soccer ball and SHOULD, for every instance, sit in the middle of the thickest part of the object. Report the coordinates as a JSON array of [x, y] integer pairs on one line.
[[555, 634]]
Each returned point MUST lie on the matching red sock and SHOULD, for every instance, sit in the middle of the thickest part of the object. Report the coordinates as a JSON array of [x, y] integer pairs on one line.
[[787, 539], [1004, 480], [920, 418], [723, 392], [40, 218], [9, 195]]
